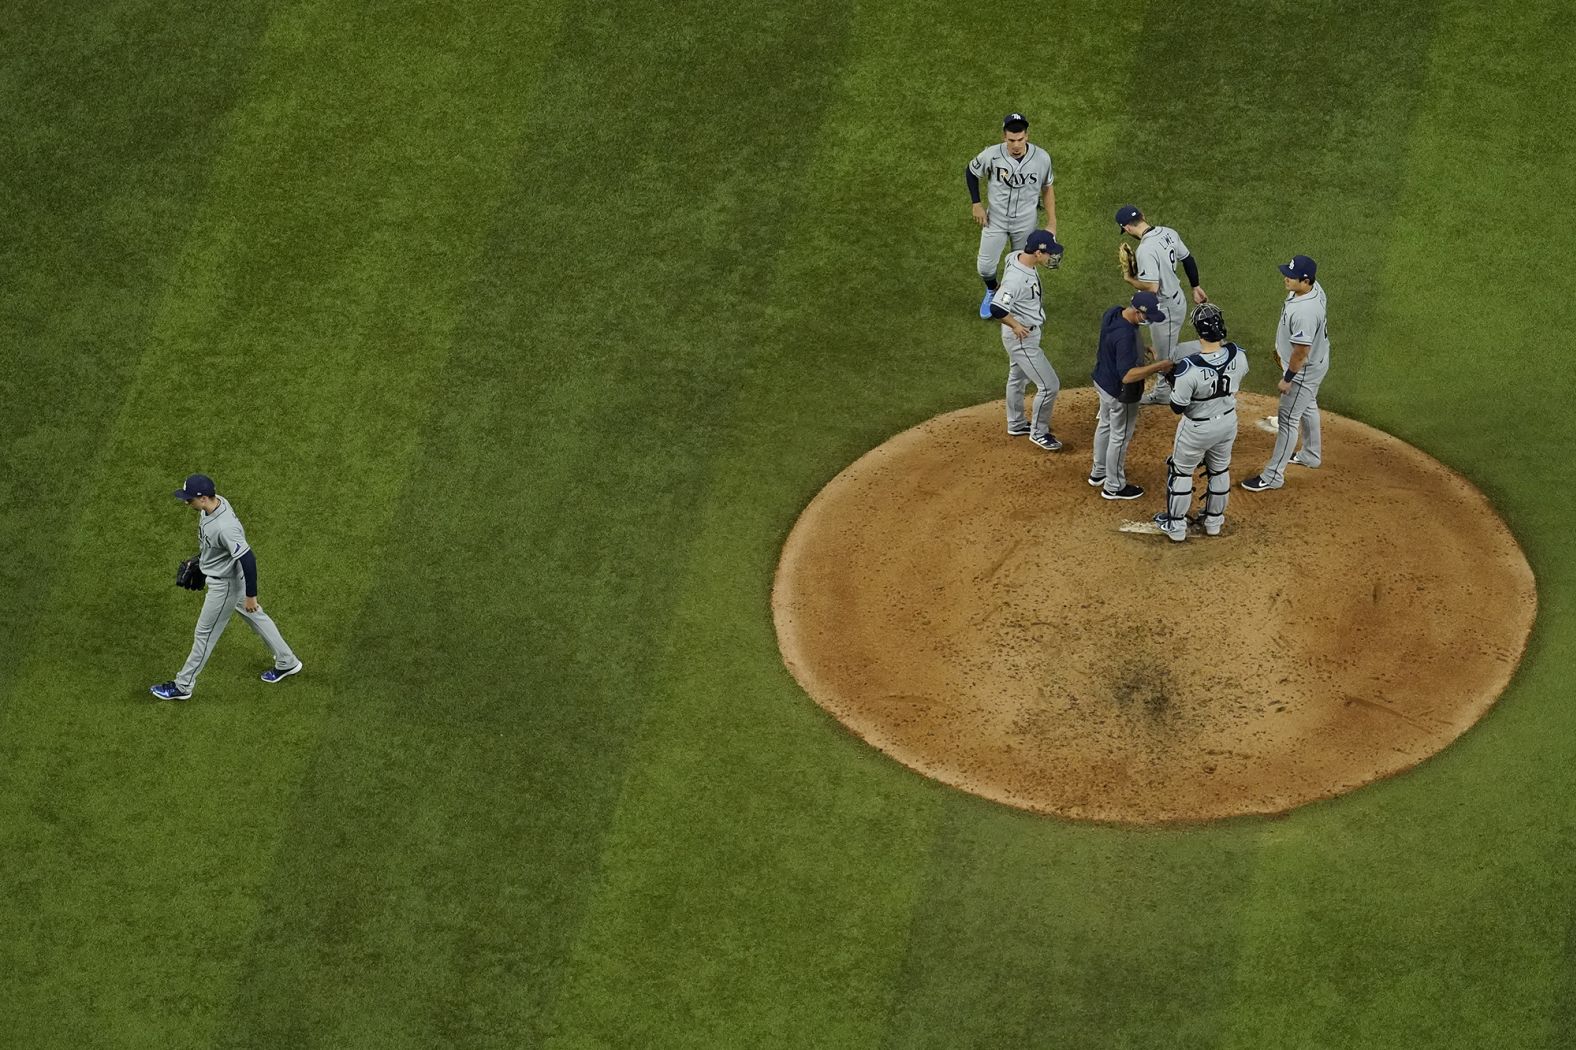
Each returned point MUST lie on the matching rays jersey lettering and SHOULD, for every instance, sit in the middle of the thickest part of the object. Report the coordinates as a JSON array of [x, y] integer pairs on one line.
[[1201, 378], [1013, 187], [1015, 178]]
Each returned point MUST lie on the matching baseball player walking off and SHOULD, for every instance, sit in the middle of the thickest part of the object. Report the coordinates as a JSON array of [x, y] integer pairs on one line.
[[1119, 380], [1155, 260], [1204, 386], [231, 568], [1020, 307], [1302, 342], [1019, 177]]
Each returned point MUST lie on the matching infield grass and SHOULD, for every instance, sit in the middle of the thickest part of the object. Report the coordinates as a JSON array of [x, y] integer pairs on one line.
[[519, 335]]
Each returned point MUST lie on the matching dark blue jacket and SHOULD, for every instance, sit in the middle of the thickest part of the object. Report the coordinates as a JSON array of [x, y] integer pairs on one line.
[[1119, 351]]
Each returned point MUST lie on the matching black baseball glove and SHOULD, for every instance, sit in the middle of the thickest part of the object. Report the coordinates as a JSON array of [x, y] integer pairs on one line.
[[190, 576]]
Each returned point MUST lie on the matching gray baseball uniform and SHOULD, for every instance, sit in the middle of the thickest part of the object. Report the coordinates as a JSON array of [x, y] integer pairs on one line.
[[221, 542], [1020, 295], [1303, 320], [1204, 388], [1158, 252], [1012, 199]]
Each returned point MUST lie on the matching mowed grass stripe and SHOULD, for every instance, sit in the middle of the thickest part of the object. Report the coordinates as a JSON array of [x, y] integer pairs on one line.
[[99, 199], [758, 883], [782, 900], [1435, 909], [309, 318], [102, 198], [453, 823]]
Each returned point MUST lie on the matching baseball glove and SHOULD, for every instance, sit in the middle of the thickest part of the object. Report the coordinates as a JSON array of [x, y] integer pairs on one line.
[[190, 576], [1127, 259]]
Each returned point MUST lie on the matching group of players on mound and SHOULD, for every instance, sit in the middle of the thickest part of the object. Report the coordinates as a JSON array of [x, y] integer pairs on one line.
[[1199, 378]]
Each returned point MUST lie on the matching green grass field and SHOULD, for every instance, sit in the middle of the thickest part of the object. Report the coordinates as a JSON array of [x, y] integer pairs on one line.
[[519, 334]]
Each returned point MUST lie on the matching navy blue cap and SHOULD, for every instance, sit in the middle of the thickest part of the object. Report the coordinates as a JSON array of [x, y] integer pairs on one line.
[[1301, 268], [1015, 122], [1128, 214], [1148, 304], [1042, 241], [196, 485]]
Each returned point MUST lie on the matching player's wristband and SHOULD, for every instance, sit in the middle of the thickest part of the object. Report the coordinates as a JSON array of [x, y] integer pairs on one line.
[[1290, 376]]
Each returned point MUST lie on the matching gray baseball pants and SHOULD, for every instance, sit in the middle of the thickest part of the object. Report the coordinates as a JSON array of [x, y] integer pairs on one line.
[[1206, 442], [1113, 432], [994, 241], [1165, 337], [1298, 416], [225, 595], [1026, 363]]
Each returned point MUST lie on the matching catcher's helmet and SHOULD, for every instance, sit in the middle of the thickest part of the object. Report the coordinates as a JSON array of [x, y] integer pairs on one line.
[[1209, 323]]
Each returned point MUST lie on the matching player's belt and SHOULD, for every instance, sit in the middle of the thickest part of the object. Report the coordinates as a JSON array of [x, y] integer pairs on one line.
[[1218, 415]]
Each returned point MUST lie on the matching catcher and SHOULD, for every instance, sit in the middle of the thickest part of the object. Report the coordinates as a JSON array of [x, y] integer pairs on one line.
[[226, 565], [1152, 267]]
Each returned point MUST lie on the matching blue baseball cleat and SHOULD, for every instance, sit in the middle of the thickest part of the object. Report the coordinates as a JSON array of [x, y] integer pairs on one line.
[[273, 674], [1047, 441], [985, 305], [170, 691]]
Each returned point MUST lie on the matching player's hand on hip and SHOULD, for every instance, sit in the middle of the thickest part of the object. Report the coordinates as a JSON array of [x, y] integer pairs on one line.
[[1018, 330], [1199, 297], [250, 605], [1285, 386], [981, 216]]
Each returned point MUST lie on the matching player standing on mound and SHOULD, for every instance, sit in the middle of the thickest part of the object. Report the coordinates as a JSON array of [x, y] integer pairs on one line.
[[1119, 376], [1203, 391], [1019, 176], [1020, 307], [1302, 342], [1152, 267]]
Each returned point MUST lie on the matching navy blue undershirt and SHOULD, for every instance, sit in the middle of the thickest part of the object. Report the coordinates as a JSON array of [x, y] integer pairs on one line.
[[249, 568]]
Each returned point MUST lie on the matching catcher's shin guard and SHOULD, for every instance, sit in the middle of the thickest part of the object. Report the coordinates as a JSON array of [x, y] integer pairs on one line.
[[1217, 491], [1179, 491]]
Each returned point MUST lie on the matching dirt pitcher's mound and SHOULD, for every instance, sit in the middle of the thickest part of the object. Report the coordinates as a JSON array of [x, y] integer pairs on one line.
[[968, 604]]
